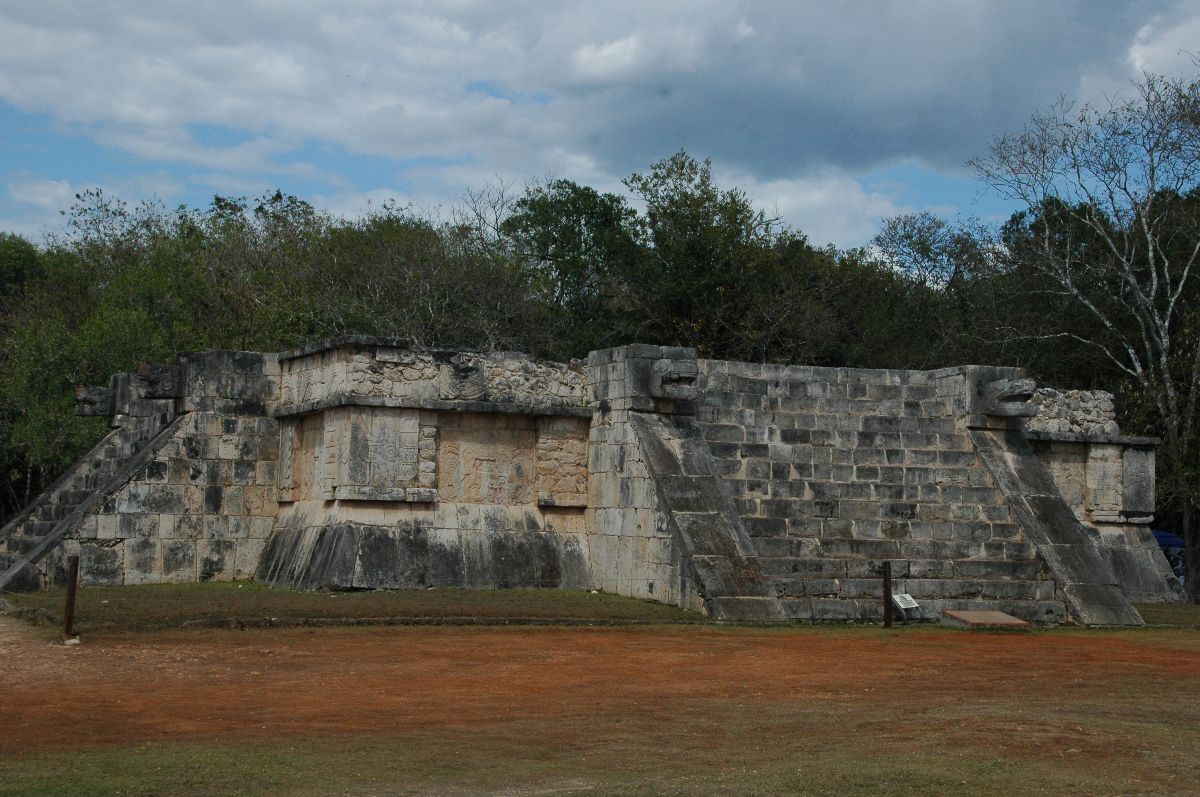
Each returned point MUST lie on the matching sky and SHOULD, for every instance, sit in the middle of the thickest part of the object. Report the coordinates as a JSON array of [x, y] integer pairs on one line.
[[831, 115]]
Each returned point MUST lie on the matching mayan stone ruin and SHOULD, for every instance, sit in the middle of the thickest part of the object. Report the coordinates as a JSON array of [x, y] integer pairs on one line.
[[748, 492]]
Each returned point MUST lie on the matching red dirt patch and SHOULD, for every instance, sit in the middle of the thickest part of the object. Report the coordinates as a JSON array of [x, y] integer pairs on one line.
[[192, 685]]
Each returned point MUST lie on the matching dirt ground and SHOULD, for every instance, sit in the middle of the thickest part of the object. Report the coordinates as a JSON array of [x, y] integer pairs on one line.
[[192, 685], [1024, 697]]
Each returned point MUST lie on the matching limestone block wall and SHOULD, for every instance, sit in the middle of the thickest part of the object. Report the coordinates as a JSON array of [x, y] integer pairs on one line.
[[1108, 481], [835, 470], [1088, 412], [204, 504], [630, 547], [662, 523], [1107, 478], [389, 372], [845, 453], [402, 467], [501, 504], [744, 490]]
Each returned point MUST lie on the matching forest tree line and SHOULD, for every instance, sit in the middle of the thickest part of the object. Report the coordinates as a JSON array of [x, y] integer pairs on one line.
[[1081, 289]]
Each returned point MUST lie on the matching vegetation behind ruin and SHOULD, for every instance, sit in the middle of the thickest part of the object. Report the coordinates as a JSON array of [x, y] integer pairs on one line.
[[558, 269]]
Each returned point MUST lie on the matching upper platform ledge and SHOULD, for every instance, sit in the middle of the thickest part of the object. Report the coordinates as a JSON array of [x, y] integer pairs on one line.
[[391, 372]]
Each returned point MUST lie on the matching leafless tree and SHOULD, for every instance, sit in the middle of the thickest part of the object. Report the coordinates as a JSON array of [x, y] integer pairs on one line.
[[1115, 191]]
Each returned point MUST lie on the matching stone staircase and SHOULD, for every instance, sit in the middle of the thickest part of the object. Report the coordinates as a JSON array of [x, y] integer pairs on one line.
[[842, 579], [704, 520], [27, 538]]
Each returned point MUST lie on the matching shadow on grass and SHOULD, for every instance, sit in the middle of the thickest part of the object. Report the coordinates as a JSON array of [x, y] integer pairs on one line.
[[1175, 614], [247, 603]]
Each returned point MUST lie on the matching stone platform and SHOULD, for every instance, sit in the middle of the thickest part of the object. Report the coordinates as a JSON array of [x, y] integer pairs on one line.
[[749, 492]]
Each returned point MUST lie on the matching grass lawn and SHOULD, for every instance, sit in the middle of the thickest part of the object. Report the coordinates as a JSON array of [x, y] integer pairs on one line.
[[1179, 614], [158, 606]]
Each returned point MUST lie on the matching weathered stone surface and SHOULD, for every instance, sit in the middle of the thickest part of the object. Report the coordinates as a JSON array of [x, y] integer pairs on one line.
[[160, 381], [1009, 398], [1137, 482], [701, 513], [411, 554], [25, 576], [1069, 548], [674, 379], [1087, 412], [93, 401], [359, 370], [858, 467], [368, 462]]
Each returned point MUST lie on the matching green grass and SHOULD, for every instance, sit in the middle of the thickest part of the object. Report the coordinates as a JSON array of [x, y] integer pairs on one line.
[[1181, 614], [158, 606], [723, 753]]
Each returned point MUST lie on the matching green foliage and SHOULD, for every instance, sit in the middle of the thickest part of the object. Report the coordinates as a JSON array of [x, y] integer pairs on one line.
[[19, 263], [582, 250], [709, 256]]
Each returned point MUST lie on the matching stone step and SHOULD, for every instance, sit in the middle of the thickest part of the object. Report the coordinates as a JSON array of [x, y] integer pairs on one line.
[[919, 588], [868, 610], [52, 512], [19, 544], [27, 579], [71, 498], [876, 549], [93, 480], [806, 567], [111, 458], [835, 567], [747, 610], [37, 528]]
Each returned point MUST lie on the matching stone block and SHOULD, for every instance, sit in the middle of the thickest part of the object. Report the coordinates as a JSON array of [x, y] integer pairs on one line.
[[108, 527], [143, 562], [100, 564], [179, 560], [1137, 481]]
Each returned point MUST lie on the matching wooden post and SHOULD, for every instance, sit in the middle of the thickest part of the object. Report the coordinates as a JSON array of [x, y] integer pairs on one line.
[[887, 594], [72, 588]]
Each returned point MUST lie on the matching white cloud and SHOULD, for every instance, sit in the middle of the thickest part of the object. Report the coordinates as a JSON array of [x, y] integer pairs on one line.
[[356, 204], [795, 99], [830, 208], [610, 60], [49, 195], [1167, 45]]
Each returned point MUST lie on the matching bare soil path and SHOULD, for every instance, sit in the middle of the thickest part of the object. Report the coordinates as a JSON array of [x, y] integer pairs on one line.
[[1105, 700]]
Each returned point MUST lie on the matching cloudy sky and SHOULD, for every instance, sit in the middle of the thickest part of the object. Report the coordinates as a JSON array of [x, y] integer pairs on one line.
[[833, 115]]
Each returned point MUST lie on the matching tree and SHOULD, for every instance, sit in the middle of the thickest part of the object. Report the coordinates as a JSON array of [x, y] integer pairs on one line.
[[19, 263], [580, 247], [1112, 228], [709, 256]]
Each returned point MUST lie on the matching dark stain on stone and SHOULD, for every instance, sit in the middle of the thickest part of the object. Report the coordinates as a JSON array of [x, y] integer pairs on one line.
[[214, 495]]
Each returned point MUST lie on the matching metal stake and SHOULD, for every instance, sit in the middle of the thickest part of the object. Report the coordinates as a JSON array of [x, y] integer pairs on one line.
[[72, 588], [887, 594]]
